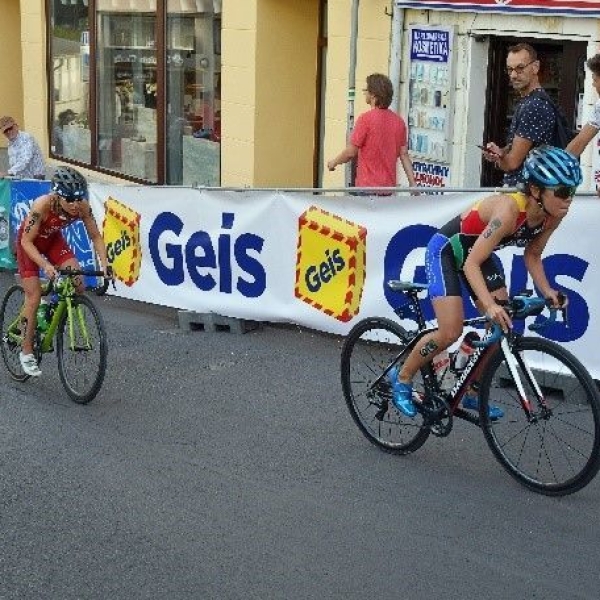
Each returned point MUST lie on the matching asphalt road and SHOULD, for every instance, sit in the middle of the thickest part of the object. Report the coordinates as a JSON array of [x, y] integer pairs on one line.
[[225, 466]]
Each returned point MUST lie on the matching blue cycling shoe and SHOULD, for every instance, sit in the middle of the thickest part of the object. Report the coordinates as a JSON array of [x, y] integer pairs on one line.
[[472, 403], [401, 394]]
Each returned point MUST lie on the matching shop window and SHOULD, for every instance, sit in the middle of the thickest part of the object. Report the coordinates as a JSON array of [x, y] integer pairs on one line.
[[193, 94], [69, 54], [127, 116], [141, 73]]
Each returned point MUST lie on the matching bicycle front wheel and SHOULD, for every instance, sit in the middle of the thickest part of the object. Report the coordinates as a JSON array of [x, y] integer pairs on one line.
[[556, 450], [368, 350], [12, 335], [82, 349]]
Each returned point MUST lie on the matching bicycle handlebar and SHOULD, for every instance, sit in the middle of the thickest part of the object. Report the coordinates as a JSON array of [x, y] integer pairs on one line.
[[74, 272], [68, 272], [520, 307]]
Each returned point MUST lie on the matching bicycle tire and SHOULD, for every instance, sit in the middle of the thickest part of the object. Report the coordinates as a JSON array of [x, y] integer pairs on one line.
[[367, 350], [10, 345], [557, 452], [82, 367]]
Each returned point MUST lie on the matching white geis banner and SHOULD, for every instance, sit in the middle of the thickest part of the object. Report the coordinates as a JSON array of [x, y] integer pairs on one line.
[[315, 260]]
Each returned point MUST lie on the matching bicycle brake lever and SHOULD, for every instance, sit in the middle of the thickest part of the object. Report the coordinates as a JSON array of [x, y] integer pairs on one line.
[[563, 309]]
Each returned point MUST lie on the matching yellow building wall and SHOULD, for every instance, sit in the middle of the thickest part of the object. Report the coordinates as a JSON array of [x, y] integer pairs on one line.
[[11, 88], [35, 93], [269, 87], [286, 93], [238, 95], [373, 50]]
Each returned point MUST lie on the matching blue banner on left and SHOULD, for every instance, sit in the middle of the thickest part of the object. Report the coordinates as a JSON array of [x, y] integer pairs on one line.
[[15, 200]]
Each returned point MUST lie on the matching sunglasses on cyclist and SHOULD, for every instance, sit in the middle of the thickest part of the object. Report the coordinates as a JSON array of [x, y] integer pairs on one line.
[[563, 192], [70, 200]]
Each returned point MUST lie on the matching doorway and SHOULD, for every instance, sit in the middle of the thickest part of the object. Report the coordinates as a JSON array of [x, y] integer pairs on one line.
[[562, 73]]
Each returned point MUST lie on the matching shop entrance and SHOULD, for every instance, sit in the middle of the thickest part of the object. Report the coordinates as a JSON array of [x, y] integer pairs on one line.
[[562, 75]]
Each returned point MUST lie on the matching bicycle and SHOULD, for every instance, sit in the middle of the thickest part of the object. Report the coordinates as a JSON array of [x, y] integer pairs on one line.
[[549, 436], [75, 324]]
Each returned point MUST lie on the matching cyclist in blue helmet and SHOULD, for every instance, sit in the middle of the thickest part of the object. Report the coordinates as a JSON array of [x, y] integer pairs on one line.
[[462, 252]]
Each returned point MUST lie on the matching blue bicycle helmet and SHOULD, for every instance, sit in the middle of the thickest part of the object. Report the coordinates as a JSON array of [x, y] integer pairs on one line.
[[69, 183], [550, 167]]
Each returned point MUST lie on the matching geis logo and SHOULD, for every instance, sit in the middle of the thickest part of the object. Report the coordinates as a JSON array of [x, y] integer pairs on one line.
[[121, 233], [330, 263]]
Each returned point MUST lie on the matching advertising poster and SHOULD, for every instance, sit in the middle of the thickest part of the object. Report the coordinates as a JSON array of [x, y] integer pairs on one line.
[[21, 194]]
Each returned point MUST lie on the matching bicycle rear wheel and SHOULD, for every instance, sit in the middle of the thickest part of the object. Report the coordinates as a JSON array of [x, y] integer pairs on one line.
[[81, 348], [368, 350], [557, 450], [10, 328]]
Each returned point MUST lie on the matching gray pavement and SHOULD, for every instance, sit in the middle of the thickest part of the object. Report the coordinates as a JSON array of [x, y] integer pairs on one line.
[[223, 466]]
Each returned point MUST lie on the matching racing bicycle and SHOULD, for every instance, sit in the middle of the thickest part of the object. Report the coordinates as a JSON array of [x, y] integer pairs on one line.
[[75, 325], [549, 436]]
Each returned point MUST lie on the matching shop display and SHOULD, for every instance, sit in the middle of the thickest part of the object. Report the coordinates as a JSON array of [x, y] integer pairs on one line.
[[431, 101]]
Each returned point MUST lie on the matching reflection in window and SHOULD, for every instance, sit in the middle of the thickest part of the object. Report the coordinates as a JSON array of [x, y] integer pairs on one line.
[[70, 51], [193, 132], [127, 127]]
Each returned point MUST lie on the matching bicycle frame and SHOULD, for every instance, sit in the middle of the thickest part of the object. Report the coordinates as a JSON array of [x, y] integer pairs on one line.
[[430, 381], [66, 294], [478, 358]]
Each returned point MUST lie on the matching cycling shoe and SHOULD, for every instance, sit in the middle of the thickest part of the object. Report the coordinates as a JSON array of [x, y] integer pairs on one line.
[[401, 394]]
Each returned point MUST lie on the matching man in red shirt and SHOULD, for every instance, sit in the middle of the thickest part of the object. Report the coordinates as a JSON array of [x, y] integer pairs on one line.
[[379, 138]]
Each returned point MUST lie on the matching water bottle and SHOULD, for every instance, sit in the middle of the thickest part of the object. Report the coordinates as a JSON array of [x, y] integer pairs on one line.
[[43, 320], [465, 350], [53, 300], [442, 365]]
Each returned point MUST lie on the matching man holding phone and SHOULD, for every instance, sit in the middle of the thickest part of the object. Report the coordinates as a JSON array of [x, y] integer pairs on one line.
[[533, 121]]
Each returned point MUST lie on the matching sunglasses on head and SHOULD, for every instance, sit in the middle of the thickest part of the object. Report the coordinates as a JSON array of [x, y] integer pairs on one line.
[[564, 192]]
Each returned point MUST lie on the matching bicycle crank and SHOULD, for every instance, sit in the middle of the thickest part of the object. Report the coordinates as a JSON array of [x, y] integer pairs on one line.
[[437, 416]]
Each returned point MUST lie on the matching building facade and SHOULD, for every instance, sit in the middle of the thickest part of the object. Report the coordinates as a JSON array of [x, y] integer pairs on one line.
[[256, 93]]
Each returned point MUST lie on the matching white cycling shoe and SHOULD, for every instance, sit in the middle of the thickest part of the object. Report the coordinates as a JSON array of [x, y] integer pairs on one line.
[[29, 365]]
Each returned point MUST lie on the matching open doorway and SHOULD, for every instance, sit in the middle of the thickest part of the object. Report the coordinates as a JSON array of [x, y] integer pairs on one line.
[[562, 74]]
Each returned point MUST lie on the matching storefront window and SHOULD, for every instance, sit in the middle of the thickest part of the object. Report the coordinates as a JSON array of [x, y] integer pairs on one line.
[[69, 47], [127, 90], [156, 99], [193, 68]]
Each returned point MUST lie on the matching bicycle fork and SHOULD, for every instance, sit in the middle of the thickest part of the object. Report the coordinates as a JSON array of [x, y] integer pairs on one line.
[[77, 328], [515, 359]]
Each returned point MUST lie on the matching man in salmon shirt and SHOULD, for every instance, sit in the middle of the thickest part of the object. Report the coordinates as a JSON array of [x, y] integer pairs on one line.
[[379, 138]]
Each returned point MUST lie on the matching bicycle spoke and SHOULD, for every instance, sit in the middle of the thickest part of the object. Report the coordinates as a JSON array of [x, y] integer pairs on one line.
[[368, 351], [82, 349], [556, 450], [11, 337]]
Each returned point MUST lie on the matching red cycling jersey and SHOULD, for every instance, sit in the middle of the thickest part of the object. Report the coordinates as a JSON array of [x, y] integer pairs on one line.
[[49, 241]]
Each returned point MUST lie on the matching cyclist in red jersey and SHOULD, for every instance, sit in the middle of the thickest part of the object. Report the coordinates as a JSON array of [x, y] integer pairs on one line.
[[41, 245], [462, 251]]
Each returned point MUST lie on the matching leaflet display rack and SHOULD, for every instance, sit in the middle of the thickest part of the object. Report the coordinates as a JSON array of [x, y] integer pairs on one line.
[[431, 93]]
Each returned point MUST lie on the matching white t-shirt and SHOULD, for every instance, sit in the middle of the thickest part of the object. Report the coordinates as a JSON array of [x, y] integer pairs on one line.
[[595, 120]]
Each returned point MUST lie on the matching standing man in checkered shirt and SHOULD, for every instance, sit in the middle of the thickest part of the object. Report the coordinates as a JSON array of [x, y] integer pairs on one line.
[[25, 157]]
